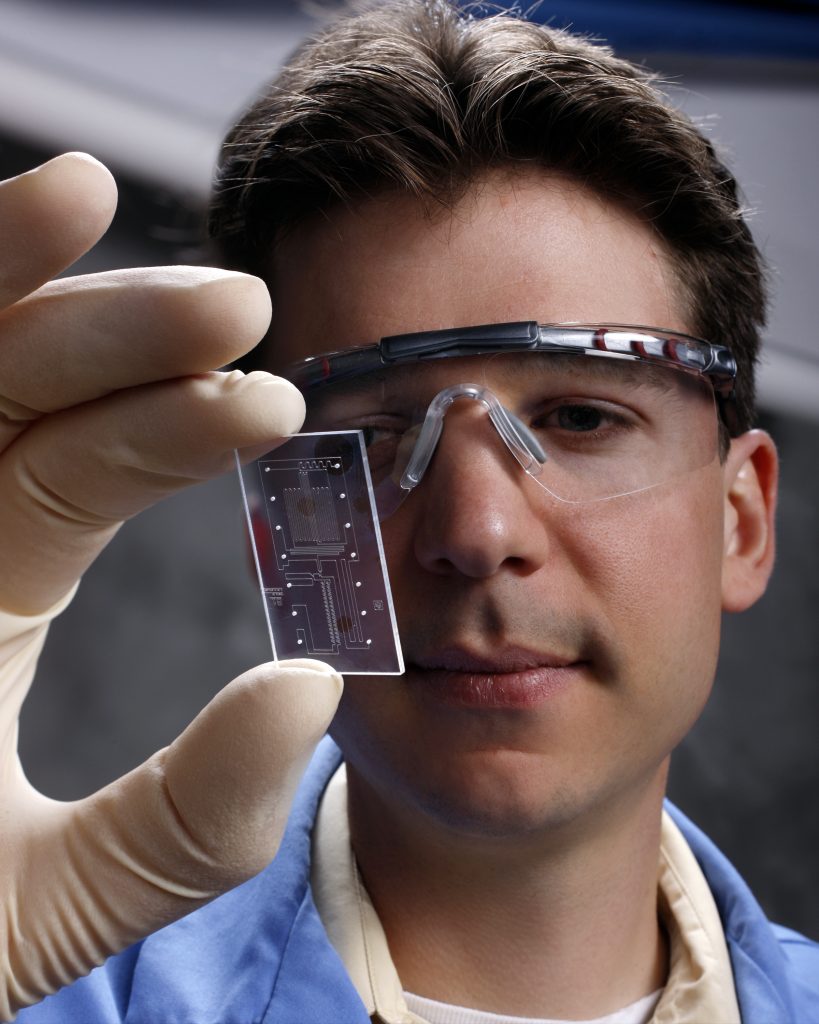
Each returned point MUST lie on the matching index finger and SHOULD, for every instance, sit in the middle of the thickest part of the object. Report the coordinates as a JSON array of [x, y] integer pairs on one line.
[[81, 338]]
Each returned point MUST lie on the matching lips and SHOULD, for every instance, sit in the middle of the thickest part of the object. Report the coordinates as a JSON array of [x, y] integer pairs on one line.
[[511, 678]]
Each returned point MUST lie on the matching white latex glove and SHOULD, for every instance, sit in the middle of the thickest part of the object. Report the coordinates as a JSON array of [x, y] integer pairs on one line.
[[108, 403]]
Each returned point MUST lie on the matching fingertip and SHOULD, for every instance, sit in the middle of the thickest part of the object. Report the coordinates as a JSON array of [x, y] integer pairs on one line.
[[290, 404], [306, 667], [235, 284], [68, 203], [51, 216], [78, 158], [77, 176], [65, 162], [271, 406], [239, 306]]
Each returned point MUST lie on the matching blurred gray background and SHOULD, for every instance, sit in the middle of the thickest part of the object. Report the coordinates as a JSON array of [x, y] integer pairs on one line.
[[170, 613]]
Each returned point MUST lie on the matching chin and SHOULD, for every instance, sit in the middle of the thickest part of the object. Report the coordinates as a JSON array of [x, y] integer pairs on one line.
[[503, 794]]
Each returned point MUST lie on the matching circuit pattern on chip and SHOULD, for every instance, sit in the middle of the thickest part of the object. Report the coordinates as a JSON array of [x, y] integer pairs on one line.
[[319, 555]]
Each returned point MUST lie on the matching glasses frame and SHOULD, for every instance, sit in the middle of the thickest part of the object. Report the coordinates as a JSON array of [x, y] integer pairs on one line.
[[615, 341]]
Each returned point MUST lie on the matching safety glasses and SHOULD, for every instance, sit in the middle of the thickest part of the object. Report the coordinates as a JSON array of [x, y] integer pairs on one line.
[[589, 412]]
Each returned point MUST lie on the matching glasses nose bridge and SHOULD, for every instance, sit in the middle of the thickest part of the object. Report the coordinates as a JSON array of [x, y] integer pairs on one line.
[[452, 399], [468, 414], [515, 435]]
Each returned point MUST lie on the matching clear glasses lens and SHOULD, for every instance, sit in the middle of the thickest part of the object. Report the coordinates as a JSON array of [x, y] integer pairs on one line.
[[606, 427]]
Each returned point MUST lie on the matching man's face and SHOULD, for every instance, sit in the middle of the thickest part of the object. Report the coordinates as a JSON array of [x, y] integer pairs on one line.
[[555, 653]]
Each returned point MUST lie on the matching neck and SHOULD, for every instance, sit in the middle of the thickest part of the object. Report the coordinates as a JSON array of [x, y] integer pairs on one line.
[[562, 925]]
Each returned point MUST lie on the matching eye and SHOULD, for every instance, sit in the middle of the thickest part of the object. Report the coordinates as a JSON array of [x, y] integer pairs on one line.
[[374, 435], [585, 420], [579, 418], [383, 443]]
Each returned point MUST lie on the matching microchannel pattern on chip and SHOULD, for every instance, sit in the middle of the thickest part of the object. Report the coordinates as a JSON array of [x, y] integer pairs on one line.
[[323, 580]]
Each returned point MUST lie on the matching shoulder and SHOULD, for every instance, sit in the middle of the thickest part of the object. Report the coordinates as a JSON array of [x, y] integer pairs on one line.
[[776, 970]]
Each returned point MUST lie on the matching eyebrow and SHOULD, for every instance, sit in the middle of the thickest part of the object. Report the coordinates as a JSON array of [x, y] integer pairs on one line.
[[625, 371]]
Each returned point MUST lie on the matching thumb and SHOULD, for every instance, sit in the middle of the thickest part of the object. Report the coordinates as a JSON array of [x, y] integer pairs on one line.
[[195, 820], [233, 773]]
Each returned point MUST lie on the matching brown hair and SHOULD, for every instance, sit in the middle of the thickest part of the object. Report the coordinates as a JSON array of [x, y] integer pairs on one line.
[[418, 96]]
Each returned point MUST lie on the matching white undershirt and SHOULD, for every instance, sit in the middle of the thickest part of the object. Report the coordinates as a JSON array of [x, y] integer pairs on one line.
[[433, 1012]]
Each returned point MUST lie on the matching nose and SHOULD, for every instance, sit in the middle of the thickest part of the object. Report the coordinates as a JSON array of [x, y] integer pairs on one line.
[[477, 511]]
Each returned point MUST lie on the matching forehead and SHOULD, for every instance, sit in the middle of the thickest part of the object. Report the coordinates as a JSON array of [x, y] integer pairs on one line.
[[522, 245]]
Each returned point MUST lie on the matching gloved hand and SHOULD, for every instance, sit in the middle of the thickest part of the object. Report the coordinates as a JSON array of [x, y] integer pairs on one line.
[[108, 403]]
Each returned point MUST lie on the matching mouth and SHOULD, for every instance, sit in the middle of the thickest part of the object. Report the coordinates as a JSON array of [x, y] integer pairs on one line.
[[512, 678]]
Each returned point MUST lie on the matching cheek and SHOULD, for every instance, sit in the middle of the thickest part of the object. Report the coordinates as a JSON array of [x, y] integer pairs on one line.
[[656, 579], [365, 712], [377, 729]]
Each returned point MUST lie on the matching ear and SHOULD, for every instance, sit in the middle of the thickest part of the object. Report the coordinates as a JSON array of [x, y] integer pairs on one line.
[[750, 472]]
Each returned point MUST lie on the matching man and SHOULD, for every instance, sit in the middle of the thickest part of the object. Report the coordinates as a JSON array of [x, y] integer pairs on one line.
[[493, 844]]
